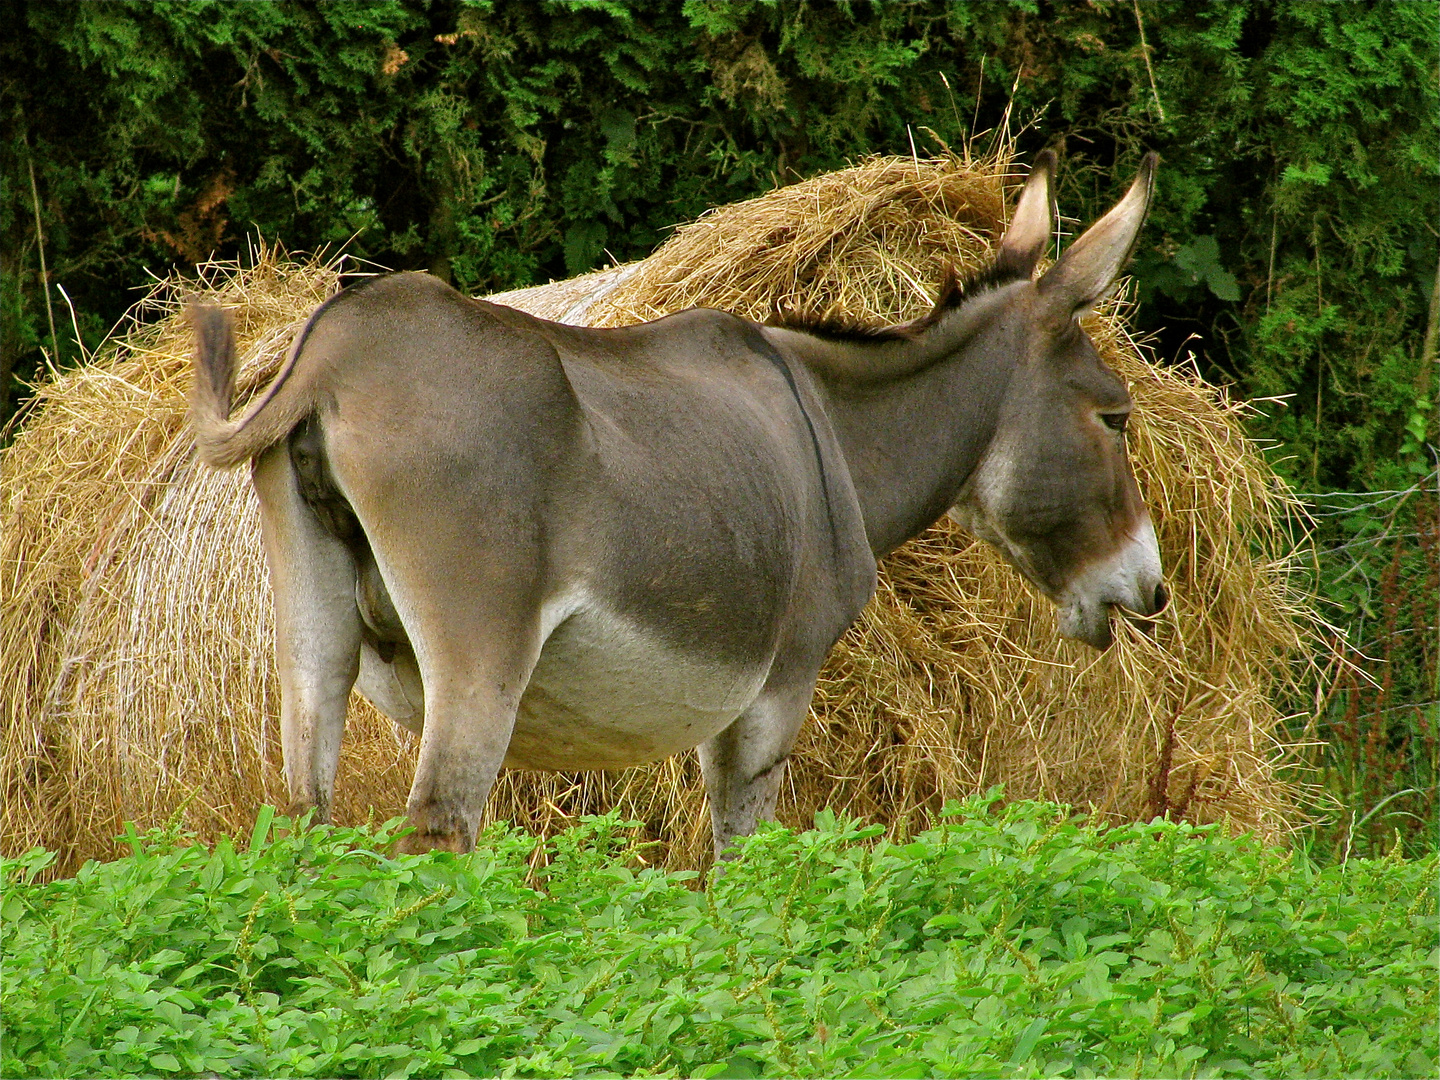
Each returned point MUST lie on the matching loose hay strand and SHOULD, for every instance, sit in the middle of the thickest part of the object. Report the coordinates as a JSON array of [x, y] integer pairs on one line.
[[135, 615]]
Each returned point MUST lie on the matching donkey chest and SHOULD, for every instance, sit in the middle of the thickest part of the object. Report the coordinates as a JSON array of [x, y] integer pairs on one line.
[[607, 693]]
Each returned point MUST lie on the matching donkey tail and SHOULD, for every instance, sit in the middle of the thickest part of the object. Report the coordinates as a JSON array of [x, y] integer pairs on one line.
[[220, 441]]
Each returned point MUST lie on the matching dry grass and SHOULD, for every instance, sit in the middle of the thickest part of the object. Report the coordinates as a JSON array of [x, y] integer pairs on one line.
[[135, 654]]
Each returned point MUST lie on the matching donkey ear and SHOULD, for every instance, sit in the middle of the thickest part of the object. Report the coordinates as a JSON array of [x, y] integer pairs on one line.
[[1029, 233], [1087, 271]]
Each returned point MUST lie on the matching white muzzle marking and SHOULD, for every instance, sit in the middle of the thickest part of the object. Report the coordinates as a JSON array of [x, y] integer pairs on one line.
[[1129, 579]]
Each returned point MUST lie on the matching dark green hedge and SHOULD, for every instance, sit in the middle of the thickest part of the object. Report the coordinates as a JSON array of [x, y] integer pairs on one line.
[[504, 143]]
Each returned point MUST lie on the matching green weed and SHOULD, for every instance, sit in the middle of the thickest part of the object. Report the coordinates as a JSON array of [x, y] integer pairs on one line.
[[1014, 941]]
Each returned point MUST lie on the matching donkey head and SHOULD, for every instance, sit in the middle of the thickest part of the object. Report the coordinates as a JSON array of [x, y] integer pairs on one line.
[[1054, 491]]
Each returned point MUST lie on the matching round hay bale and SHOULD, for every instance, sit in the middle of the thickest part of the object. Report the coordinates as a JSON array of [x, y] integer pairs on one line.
[[135, 639]]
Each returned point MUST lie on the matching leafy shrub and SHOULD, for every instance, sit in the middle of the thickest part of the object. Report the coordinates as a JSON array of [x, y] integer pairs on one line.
[[1014, 942], [500, 143]]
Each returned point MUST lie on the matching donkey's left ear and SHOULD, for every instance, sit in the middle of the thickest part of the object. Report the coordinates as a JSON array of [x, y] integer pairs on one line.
[[1029, 233], [1086, 273]]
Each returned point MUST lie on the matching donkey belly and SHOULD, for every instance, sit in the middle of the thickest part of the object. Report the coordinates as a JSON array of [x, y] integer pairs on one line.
[[607, 695]]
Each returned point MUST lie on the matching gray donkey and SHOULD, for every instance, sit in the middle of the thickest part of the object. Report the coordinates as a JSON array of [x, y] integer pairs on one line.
[[552, 547]]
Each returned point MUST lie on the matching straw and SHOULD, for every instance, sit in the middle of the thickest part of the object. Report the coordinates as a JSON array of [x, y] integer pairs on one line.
[[135, 625]]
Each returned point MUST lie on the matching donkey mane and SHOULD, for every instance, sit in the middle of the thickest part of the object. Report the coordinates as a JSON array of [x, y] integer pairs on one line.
[[954, 291]]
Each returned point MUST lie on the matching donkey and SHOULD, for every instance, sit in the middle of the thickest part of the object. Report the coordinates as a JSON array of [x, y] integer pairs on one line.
[[551, 547]]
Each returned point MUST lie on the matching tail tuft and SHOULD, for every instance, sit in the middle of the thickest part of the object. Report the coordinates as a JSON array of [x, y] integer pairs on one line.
[[214, 387]]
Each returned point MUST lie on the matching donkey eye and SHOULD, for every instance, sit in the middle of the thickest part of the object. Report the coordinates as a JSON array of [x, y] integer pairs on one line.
[[1115, 421]]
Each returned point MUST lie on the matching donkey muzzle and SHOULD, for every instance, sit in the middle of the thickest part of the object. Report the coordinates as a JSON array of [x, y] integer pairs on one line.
[[1129, 580]]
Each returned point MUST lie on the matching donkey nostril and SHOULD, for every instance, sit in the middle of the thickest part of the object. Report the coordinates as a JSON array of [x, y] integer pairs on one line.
[[1161, 598]]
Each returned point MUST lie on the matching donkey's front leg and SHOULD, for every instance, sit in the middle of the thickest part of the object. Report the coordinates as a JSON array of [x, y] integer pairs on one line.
[[744, 765]]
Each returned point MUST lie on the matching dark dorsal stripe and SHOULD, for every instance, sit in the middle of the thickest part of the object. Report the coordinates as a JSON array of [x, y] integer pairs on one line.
[[343, 296]]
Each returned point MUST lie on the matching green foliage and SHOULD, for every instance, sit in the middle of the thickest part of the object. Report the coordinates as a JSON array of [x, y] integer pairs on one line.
[[1337, 332], [1014, 942], [502, 143], [1380, 720]]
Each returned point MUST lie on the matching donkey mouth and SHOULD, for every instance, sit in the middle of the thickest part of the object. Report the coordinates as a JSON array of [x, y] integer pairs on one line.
[[1087, 622], [1090, 621], [1145, 621]]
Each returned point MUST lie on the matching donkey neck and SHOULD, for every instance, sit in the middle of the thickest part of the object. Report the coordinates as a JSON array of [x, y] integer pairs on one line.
[[915, 416]]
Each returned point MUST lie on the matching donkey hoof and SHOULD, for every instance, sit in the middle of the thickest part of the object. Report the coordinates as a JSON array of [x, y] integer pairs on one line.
[[422, 840], [298, 808]]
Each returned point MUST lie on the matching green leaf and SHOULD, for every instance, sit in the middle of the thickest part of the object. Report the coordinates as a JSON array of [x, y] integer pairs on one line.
[[1025, 1046], [261, 832], [1317, 173], [1201, 260]]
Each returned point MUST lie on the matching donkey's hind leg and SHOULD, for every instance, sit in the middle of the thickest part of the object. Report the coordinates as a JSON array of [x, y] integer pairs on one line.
[[471, 611], [317, 631], [475, 666]]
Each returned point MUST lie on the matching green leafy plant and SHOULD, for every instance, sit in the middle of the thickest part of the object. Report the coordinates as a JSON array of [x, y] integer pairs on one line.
[[1380, 719], [1007, 942]]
